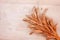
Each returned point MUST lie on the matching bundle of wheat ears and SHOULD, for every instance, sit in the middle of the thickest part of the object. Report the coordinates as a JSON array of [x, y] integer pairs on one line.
[[42, 24]]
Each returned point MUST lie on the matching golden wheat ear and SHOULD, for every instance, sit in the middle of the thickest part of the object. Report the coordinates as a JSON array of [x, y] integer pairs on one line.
[[41, 24]]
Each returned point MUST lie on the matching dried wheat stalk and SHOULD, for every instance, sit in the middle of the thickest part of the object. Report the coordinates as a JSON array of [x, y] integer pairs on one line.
[[40, 23]]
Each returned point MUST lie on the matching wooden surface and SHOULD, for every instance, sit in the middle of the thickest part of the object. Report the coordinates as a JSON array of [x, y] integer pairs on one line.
[[13, 11]]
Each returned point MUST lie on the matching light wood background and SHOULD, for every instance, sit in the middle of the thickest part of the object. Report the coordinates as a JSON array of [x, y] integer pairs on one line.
[[13, 11]]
